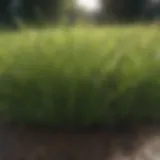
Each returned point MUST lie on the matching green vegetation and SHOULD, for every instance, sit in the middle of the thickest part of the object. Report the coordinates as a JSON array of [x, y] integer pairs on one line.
[[80, 76]]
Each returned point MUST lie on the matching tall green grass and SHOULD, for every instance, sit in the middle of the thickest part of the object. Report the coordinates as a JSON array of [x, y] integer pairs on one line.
[[80, 76]]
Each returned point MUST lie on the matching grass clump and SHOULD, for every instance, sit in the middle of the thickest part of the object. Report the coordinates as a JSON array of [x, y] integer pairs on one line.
[[80, 77]]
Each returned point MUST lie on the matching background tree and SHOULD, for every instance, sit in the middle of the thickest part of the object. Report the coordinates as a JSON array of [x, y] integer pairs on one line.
[[41, 9], [4, 12], [123, 9], [31, 10]]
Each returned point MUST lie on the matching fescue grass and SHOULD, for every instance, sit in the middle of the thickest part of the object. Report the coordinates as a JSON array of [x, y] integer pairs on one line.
[[80, 76]]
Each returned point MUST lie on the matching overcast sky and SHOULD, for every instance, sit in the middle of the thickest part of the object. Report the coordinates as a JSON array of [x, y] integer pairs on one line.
[[89, 4]]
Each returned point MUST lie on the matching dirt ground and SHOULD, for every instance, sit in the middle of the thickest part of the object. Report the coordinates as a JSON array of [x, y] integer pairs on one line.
[[31, 143]]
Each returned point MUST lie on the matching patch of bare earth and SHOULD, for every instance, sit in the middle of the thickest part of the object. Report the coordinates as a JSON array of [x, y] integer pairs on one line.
[[30, 143]]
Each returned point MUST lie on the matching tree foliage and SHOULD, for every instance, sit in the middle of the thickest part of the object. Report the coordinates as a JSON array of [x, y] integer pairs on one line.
[[32, 10], [124, 9], [41, 9]]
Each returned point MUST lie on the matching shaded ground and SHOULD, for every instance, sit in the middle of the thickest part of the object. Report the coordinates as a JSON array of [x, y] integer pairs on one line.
[[30, 143]]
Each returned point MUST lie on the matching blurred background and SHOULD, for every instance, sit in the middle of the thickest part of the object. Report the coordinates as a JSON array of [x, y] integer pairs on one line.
[[14, 12]]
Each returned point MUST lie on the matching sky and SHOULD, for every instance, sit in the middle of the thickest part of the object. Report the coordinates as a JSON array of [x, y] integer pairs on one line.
[[90, 5]]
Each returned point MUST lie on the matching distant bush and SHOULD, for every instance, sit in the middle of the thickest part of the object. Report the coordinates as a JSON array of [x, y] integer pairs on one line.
[[80, 77]]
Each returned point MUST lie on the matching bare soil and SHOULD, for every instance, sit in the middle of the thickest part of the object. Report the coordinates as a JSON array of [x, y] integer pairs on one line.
[[36, 143]]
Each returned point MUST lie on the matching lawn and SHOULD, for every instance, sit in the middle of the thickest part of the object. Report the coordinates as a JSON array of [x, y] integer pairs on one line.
[[80, 76]]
